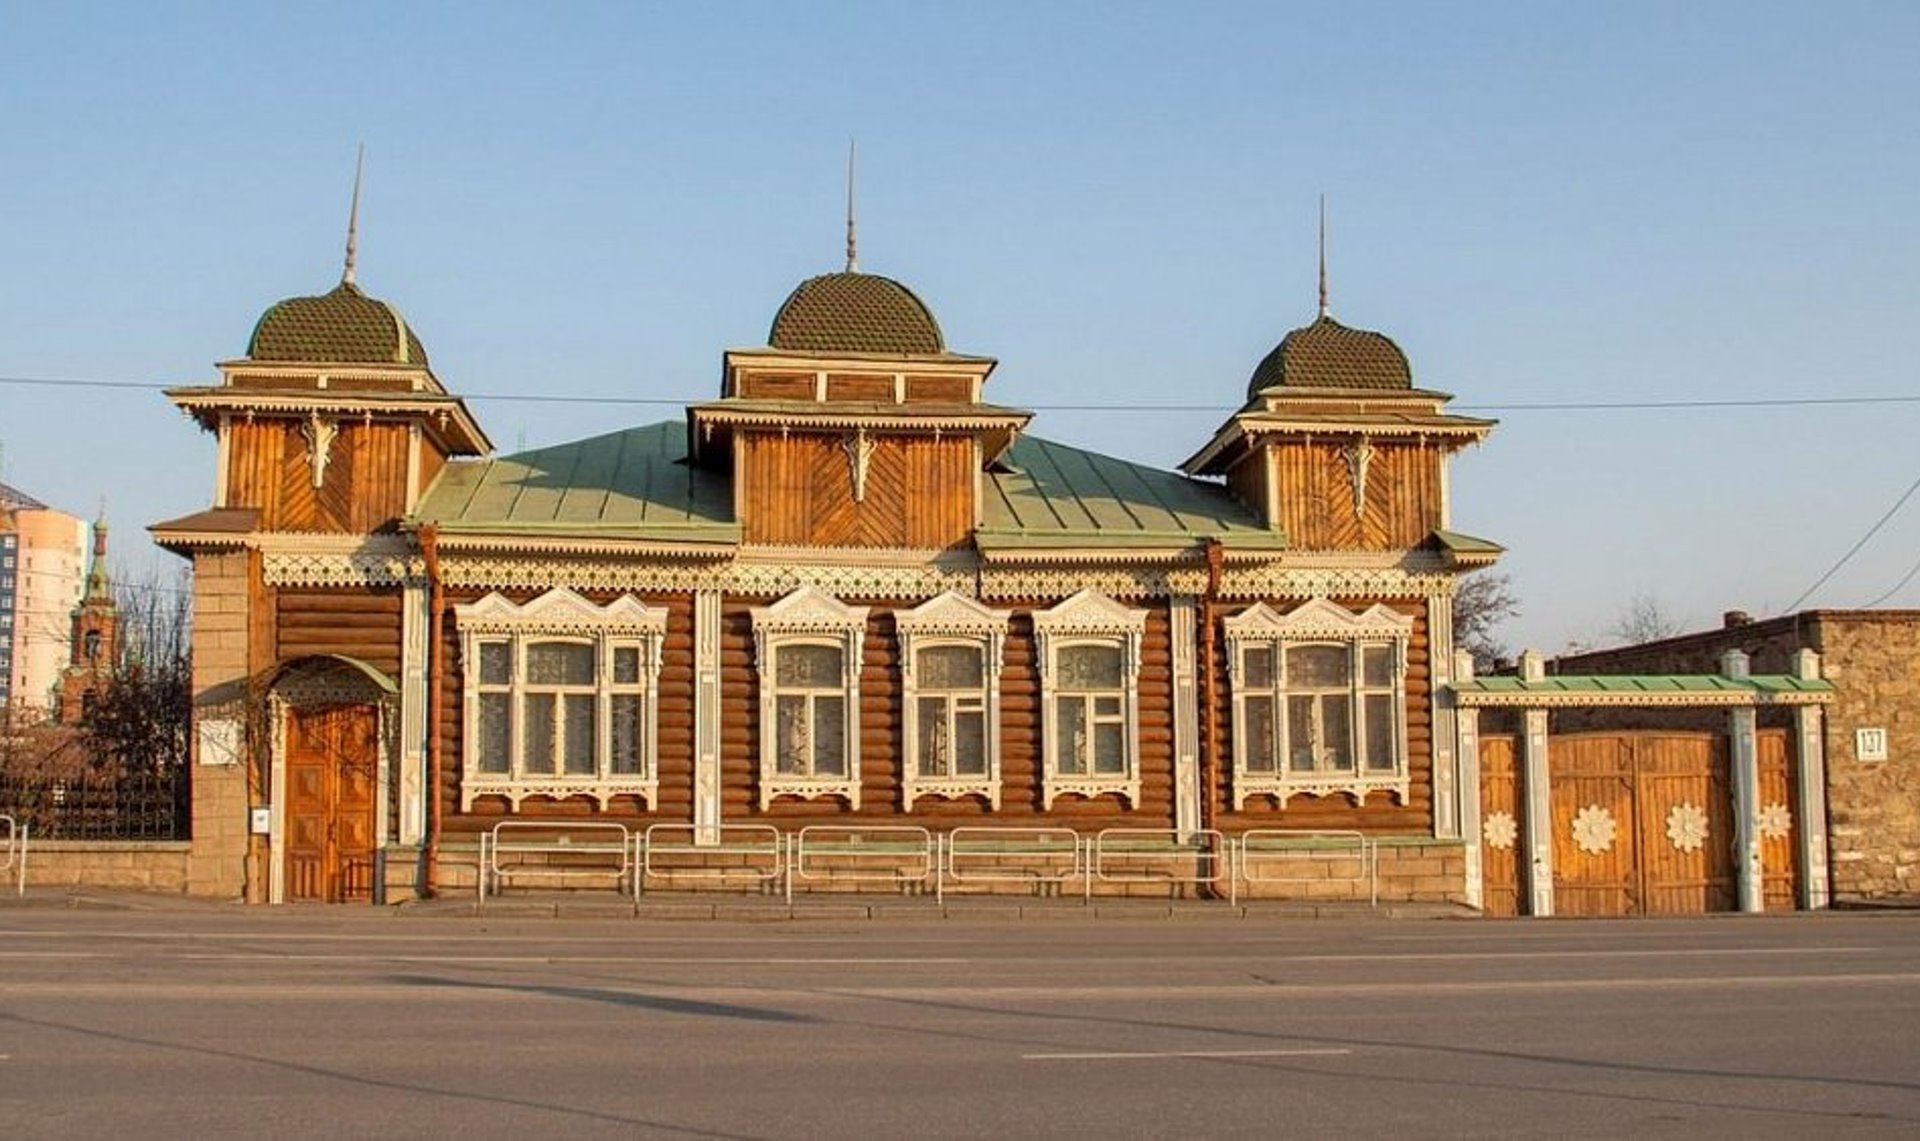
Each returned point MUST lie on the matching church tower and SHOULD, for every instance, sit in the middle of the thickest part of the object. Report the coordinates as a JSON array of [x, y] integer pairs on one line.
[[96, 638]]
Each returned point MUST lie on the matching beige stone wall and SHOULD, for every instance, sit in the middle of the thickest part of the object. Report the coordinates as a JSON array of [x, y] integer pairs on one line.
[[140, 865], [217, 865], [1873, 807]]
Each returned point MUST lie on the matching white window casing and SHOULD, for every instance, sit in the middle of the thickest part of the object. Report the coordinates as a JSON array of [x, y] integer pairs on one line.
[[1089, 656], [1319, 701], [559, 698], [950, 658], [809, 720]]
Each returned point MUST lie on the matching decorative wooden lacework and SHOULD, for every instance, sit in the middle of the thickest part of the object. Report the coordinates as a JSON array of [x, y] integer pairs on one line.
[[1319, 701], [808, 647], [950, 653], [1089, 652], [558, 698]]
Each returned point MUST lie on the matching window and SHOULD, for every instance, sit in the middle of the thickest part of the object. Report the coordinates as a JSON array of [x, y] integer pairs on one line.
[[1089, 650], [807, 646], [1319, 701], [560, 697], [950, 650]]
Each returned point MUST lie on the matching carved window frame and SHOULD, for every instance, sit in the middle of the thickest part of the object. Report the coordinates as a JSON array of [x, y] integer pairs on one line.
[[1318, 623], [1090, 618], [950, 619], [561, 616], [809, 616]]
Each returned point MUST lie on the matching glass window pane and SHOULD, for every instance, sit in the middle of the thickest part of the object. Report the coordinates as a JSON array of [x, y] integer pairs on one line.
[[935, 751], [580, 734], [496, 663], [1109, 748], [1257, 713], [1303, 735], [829, 736], [559, 663], [1317, 667], [1089, 667], [1106, 707], [491, 749], [816, 667], [1380, 726], [537, 734], [970, 744], [950, 667], [1256, 665], [627, 738], [1336, 722], [626, 665], [793, 740], [1376, 666], [1071, 747]]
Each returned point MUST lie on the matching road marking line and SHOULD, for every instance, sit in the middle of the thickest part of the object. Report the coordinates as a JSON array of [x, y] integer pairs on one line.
[[1120, 1057]]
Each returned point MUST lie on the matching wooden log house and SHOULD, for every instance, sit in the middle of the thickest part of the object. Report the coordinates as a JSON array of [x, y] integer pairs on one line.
[[850, 589]]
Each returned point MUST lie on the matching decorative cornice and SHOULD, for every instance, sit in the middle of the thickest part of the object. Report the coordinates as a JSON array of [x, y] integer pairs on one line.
[[560, 610], [1677, 699]]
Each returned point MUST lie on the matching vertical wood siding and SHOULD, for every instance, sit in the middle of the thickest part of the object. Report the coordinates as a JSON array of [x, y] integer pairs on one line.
[[364, 490], [1402, 506], [798, 491]]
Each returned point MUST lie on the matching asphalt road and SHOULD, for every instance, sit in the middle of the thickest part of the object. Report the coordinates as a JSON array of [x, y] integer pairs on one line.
[[288, 1023]]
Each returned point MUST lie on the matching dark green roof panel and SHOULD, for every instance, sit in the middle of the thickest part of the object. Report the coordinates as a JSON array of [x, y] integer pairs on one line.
[[342, 327], [1327, 354], [855, 313]]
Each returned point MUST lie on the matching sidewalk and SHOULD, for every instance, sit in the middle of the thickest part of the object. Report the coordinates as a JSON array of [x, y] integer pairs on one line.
[[693, 906]]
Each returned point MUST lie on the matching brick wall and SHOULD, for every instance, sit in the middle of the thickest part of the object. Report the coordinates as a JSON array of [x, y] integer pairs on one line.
[[140, 865], [217, 864]]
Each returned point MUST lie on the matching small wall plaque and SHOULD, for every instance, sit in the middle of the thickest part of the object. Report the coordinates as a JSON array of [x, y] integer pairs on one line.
[[220, 742], [1870, 744]]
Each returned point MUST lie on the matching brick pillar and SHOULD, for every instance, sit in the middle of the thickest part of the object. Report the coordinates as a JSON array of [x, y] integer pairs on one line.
[[1539, 795], [217, 860], [1748, 871]]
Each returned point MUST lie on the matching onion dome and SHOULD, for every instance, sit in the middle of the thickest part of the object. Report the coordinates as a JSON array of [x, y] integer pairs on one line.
[[855, 312], [342, 327], [1327, 354]]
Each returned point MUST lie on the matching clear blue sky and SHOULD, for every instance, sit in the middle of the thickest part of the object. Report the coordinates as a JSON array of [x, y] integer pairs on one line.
[[1543, 203]]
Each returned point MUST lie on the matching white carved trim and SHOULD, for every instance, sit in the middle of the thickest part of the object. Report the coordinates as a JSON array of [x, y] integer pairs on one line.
[[706, 717], [1359, 455], [1318, 620], [1089, 616], [809, 614], [859, 448], [950, 619], [318, 433], [561, 613]]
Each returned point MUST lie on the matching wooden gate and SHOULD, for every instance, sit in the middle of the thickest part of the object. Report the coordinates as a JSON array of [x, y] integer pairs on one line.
[[332, 764], [1642, 823], [1500, 827]]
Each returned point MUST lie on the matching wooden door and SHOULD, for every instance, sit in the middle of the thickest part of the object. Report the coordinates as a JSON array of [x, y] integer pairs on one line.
[[1500, 817], [1685, 809], [1594, 838], [1779, 821], [332, 764], [1642, 824]]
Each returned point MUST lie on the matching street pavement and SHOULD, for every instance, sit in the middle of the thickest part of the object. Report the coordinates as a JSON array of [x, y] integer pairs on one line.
[[206, 1020]]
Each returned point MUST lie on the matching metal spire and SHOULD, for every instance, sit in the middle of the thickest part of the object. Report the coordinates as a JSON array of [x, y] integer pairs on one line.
[[1323, 255], [353, 218], [853, 258]]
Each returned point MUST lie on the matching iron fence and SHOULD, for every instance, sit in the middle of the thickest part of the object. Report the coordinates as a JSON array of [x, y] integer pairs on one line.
[[94, 806]]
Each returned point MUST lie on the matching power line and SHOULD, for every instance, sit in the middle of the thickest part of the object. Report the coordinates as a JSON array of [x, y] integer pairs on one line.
[[1855, 549], [1525, 406]]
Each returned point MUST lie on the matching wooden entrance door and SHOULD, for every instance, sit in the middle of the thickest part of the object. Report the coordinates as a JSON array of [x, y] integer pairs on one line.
[[1500, 816], [332, 764], [1642, 824]]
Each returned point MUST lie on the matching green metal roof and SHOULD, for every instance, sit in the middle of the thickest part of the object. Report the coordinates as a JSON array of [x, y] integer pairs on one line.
[[632, 484], [1650, 689], [1049, 494]]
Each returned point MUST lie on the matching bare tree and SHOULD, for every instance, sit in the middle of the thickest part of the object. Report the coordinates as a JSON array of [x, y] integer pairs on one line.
[[1481, 602], [137, 721], [1644, 619]]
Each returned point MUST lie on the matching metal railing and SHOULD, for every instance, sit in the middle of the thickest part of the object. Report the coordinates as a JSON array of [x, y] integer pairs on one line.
[[1157, 855], [101, 806], [1033, 856], [13, 852], [556, 851], [689, 851], [895, 854], [1312, 855]]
